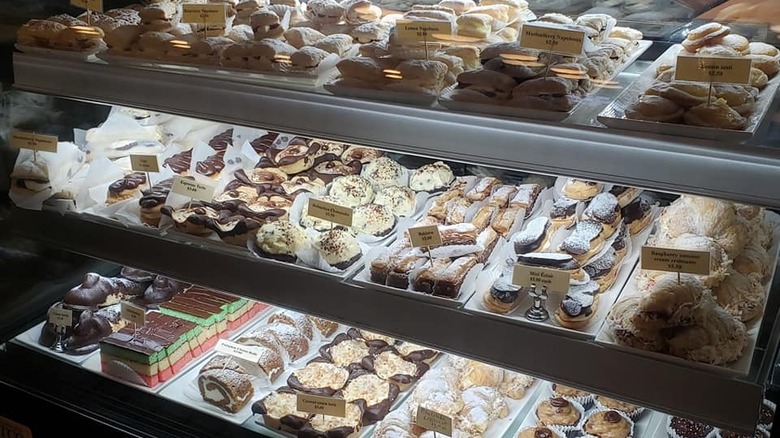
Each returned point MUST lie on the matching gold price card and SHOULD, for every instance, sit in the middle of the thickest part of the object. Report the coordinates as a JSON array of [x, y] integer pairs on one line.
[[415, 31], [713, 69], [526, 276], [314, 404], [551, 38], [434, 421], [676, 260], [92, 5], [60, 317], [237, 350], [132, 313], [207, 13], [423, 237], [192, 189], [29, 140], [144, 163], [330, 212], [12, 429]]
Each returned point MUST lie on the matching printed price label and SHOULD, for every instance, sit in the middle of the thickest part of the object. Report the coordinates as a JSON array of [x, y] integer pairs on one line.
[[144, 163], [314, 404], [555, 280], [713, 69], [92, 5], [416, 31], [12, 429], [330, 212], [551, 38], [434, 421], [132, 313], [204, 13], [237, 350], [28, 140], [675, 260], [425, 236], [192, 189], [60, 317]]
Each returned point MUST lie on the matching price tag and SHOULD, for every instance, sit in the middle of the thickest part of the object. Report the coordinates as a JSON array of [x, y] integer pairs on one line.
[[237, 350], [28, 140], [132, 313], [192, 189], [676, 260], [551, 38], [12, 429], [92, 5], [204, 13], [426, 236], [416, 31], [144, 163], [555, 280], [330, 212], [713, 69], [314, 404], [434, 421], [60, 317]]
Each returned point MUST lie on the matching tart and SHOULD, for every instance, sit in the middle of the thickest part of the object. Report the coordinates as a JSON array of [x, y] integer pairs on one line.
[[279, 411], [345, 351], [389, 365], [377, 393], [318, 378]]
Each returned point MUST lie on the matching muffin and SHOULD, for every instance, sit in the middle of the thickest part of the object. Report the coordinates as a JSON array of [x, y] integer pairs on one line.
[[683, 428], [352, 190], [383, 172], [431, 177], [400, 200], [281, 240], [608, 424], [339, 248], [537, 432], [557, 411], [374, 219]]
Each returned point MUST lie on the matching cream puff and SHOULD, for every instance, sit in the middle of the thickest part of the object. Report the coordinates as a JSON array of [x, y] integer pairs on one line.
[[580, 189]]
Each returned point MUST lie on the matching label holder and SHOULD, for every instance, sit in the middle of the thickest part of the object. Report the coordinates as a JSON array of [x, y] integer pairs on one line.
[[654, 258]]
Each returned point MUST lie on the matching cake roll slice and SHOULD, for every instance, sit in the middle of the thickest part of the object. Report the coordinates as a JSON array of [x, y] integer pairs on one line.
[[226, 389]]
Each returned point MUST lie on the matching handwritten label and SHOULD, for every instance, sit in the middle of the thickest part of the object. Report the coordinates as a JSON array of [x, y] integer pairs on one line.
[[132, 313], [192, 189], [12, 429], [28, 140], [416, 31], [425, 236], [60, 317], [676, 260], [551, 38], [314, 404], [330, 212], [204, 13], [144, 163], [434, 421], [713, 69], [237, 350], [555, 280], [92, 5]]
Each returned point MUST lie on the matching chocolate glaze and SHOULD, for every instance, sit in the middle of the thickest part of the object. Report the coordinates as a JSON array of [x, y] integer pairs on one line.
[[91, 328], [212, 165], [291, 421], [604, 208], [157, 195], [221, 141], [262, 143], [131, 181], [549, 260], [159, 332], [766, 415], [504, 291], [330, 170], [636, 210], [163, 289], [559, 402], [179, 163], [621, 239], [602, 265], [543, 432], [563, 208], [612, 417], [95, 289], [137, 275]]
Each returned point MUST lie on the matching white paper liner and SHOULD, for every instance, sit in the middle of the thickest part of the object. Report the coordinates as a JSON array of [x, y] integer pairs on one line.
[[585, 401], [633, 415], [622, 414], [569, 431], [62, 166], [672, 434]]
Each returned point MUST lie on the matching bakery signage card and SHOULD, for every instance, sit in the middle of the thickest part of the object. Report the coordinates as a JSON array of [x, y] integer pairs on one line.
[[552, 38], [676, 260], [192, 189], [330, 212], [92, 5], [144, 163], [413, 31], [527, 276], [61, 317], [237, 350], [434, 421], [314, 404], [425, 237], [713, 69], [30, 140], [208, 13], [132, 313]]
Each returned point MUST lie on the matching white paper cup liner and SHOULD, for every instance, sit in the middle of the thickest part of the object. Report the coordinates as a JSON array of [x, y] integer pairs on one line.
[[622, 414], [633, 415], [672, 434], [568, 431]]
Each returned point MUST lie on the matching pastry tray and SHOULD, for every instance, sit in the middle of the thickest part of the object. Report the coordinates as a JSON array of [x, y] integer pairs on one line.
[[383, 95], [531, 113], [302, 267], [613, 115], [29, 339], [606, 298], [741, 367], [143, 229], [54, 53]]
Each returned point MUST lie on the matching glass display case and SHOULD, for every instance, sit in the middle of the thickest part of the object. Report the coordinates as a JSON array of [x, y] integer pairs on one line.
[[397, 207]]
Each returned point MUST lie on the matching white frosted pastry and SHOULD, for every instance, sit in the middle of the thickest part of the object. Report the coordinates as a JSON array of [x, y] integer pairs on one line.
[[374, 219], [383, 172], [316, 223], [431, 177], [339, 248], [481, 406], [480, 374], [348, 352], [352, 190], [281, 238], [400, 200], [741, 295], [514, 384], [299, 37], [322, 375]]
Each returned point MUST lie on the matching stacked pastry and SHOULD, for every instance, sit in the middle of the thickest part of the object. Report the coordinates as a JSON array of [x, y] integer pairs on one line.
[[700, 318], [730, 105], [473, 394], [515, 76], [64, 32], [366, 369]]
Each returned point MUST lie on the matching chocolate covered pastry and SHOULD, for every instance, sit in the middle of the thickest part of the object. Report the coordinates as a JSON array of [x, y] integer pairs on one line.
[[586, 240], [604, 208], [534, 237], [126, 187], [152, 201], [221, 141], [624, 194], [330, 170], [262, 143], [580, 190], [326, 150], [96, 291], [449, 282], [604, 269], [563, 213], [637, 215], [297, 157], [163, 289], [503, 297], [319, 378], [211, 166], [179, 163], [554, 260], [191, 219], [360, 153], [137, 275], [578, 306]]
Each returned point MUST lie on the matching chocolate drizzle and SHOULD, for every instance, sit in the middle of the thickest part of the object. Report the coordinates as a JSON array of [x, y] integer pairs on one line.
[[559, 402], [264, 142], [131, 181], [179, 163], [505, 291], [612, 417], [636, 210], [157, 195], [212, 165], [221, 141]]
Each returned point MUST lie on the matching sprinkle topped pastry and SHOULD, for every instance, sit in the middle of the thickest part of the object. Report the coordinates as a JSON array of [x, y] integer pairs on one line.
[[431, 177]]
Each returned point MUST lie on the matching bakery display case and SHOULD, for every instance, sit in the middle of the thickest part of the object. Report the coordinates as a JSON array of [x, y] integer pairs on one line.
[[322, 199]]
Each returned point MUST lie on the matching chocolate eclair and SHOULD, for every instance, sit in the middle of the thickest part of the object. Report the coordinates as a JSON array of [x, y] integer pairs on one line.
[[221, 141], [586, 240], [625, 194], [604, 208], [563, 212], [580, 189], [604, 269], [152, 201], [578, 306], [96, 291], [330, 170], [163, 289], [126, 187], [179, 163], [137, 275], [620, 244], [554, 260], [502, 297], [192, 219], [637, 215], [534, 237]]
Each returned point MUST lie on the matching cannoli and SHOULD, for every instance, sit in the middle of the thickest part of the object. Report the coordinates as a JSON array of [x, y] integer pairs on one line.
[[451, 279], [534, 237], [504, 220], [586, 240]]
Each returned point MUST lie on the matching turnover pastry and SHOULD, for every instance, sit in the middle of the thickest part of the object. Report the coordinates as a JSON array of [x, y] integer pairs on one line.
[[716, 114]]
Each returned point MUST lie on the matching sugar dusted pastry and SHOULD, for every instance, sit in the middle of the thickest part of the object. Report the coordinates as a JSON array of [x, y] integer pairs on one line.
[[327, 425], [704, 35], [307, 58], [551, 93], [719, 260], [475, 25], [318, 378], [742, 295], [431, 177], [480, 374], [266, 24], [684, 94], [400, 200], [370, 33], [458, 6], [397, 424], [586, 240], [299, 37], [352, 190], [361, 11], [338, 248], [706, 217], [481, 406], [655, 109], [337, 44], [344, 350], [378, 394], [716, 114]]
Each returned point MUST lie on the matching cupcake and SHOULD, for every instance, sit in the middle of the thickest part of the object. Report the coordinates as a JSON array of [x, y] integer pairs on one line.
[[338, 248], [767, 415], [608, 424], [605, 403], [352, 190], [537, 432], [557, 411], [400, 200], [582, 397], [678, 427], [759, 433], [431, 177], [383, 172], [374, 219], [281, 240]]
